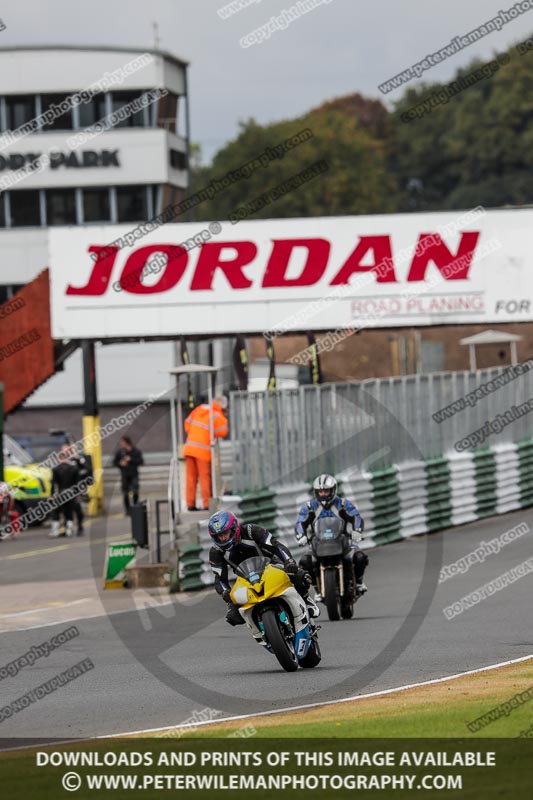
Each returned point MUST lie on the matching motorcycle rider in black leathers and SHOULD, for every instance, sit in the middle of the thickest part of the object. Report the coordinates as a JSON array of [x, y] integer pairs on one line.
[[233, 543]]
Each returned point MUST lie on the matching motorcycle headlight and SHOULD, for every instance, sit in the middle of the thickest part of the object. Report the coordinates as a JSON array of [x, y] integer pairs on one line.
[[240, 595]]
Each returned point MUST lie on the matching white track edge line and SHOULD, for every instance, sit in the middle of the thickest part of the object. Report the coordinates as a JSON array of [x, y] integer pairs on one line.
[[323, 703], [267, 713]]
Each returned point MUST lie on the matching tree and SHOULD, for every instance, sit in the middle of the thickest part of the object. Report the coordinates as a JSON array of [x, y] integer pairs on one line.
[[474, 149], [357, 180]]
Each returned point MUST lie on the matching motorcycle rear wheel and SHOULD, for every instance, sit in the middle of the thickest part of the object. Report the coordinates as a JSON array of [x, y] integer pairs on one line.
[[281, 648], [330, 593]]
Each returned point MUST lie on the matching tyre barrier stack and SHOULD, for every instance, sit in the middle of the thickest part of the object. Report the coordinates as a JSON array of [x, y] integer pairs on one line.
[[190, 567], [413, 496], [259, 507], [418, 497], [508, 488], [289, 499], [525, 457], [463, 486], [400, 501], [439, 495]]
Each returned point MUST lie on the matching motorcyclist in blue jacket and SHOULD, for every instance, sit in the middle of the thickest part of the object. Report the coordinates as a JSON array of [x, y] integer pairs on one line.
[[327, 503]]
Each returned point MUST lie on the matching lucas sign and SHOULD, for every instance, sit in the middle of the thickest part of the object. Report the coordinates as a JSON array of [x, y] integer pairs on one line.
[[118, 557], [279, 276]]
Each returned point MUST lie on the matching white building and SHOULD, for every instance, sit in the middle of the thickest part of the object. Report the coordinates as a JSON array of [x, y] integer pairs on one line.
[[129, 172]]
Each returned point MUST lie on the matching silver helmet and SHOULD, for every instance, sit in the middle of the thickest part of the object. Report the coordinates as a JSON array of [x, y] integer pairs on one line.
[[325, 489]]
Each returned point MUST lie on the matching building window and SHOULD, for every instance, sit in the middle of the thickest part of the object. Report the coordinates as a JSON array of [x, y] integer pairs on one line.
[[432, 356], [8, 291], [20, 109], [96, 206], [131, 203], [61, 207], [156, 194], [25, 208], [136, 120], [93, 111], [166, 112], [178, 160], [63, 121]]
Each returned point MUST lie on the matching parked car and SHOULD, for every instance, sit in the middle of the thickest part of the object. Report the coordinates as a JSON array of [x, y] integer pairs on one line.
[[41, 445], [30, 481]]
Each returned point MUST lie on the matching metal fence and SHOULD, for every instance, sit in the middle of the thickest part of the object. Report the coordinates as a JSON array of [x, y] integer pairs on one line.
[[292, 434]]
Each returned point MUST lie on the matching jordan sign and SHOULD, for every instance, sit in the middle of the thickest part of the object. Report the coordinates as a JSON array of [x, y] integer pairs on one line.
[[292, 275]]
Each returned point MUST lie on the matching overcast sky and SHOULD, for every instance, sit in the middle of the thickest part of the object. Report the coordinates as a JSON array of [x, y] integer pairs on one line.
[[342, 46]]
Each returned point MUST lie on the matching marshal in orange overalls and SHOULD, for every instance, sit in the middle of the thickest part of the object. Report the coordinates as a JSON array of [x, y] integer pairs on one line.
[[197, 450]]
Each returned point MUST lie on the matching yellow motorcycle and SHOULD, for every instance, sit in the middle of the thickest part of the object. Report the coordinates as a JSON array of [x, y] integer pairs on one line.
[[275, 613]]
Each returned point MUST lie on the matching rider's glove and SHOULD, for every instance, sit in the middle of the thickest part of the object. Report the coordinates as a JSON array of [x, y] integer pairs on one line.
[[291, 567], [357, 535], [226, 596], [302, 539]]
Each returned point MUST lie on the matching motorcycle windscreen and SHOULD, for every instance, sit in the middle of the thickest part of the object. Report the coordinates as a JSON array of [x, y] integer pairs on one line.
[[329, 538], [252, 569]]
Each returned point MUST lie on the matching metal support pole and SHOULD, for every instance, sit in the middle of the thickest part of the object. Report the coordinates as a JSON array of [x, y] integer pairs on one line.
[[210, 382], [177, 481], [175, 506], [173, 433], [151, 536], [472, 349], [91, 428], [189, 370]]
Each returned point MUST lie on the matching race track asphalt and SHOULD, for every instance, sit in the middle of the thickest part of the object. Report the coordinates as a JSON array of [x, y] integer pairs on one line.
[[156, 667]]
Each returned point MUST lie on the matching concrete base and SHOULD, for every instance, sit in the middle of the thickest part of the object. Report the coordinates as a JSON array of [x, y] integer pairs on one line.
[[147, 576]]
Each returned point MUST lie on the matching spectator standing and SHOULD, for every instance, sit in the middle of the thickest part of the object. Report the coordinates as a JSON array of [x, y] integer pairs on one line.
[[128, 459], [197, 449], [84, 465], [8, 514], [64, 476]]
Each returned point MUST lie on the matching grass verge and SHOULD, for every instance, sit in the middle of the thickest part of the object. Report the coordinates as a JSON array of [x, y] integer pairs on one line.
[[434, 711]]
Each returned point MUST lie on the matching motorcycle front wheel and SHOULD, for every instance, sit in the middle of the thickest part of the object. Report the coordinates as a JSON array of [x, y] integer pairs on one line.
[[313, 657], [281, 647], [347, 607]]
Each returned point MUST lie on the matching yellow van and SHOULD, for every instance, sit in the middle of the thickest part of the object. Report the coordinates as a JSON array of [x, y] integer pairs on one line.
[[29, 481]]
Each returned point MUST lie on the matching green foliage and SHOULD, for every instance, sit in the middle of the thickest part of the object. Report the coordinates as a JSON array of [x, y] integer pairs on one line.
[[474, 148], [357, 181]]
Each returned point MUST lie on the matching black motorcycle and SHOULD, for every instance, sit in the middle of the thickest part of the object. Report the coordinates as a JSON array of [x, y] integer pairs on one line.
[[329, 544]]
